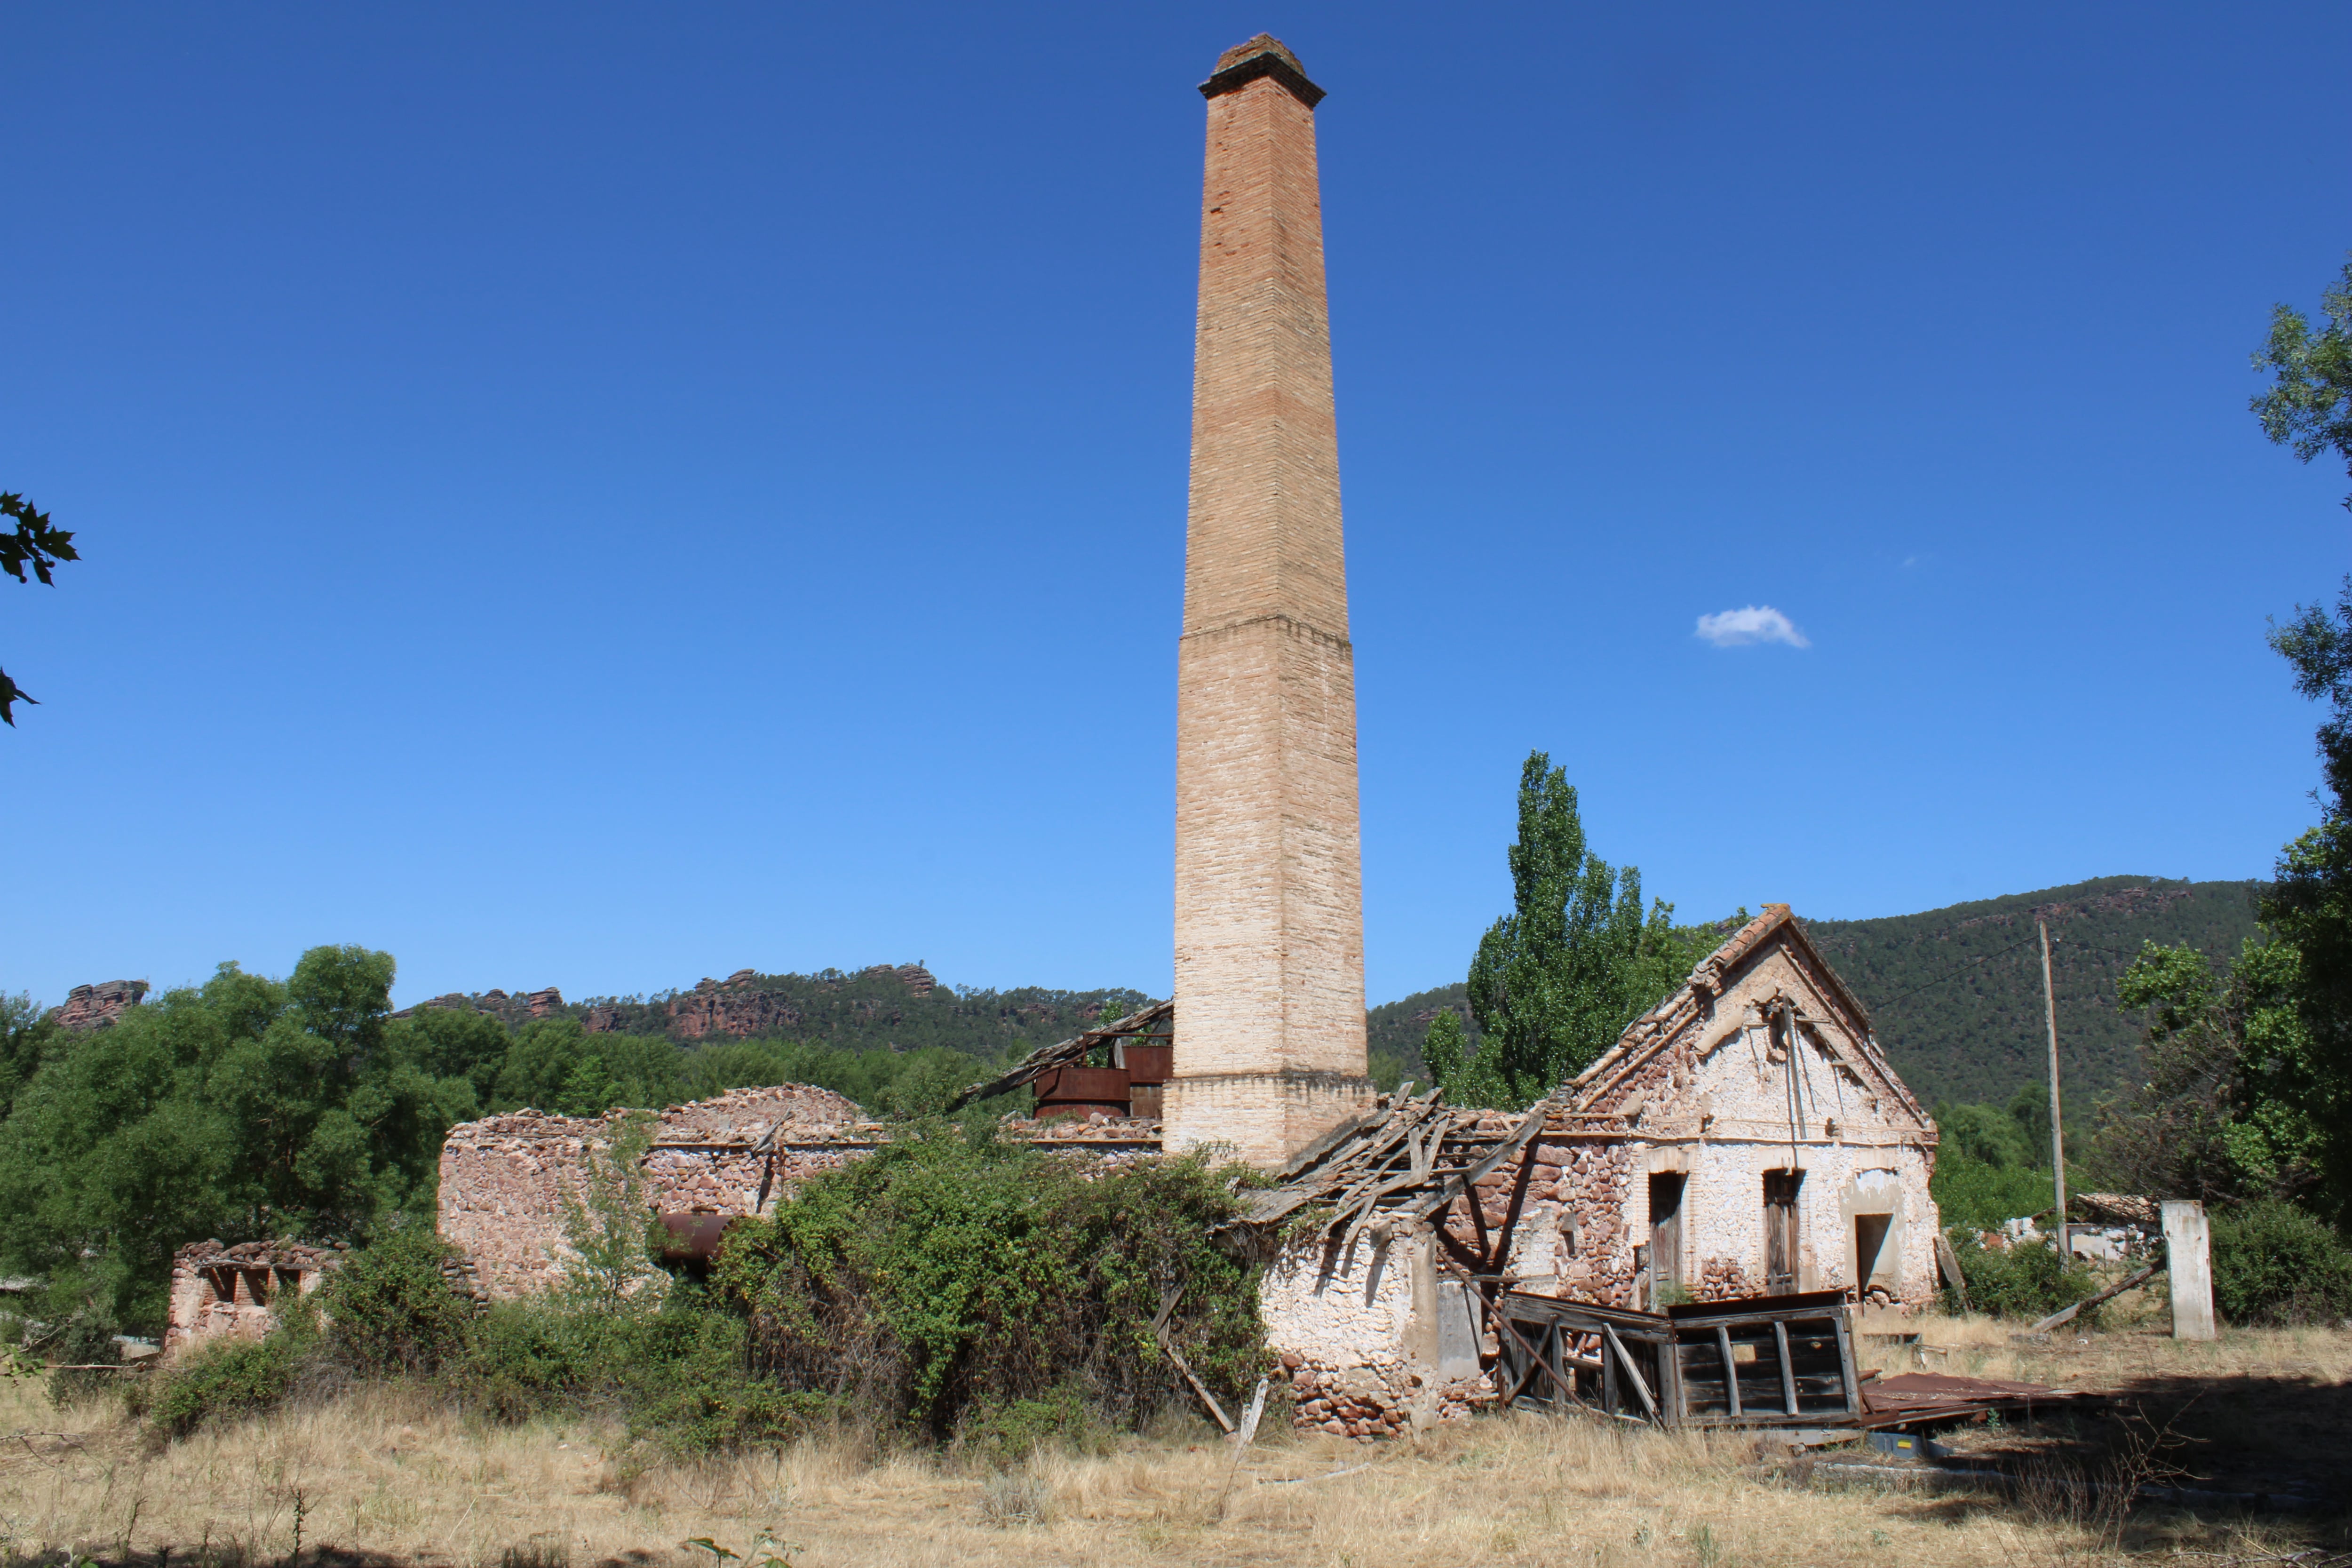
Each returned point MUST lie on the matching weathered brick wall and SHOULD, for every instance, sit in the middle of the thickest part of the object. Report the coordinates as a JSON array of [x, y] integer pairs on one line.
[[1269, 902], [1715, 1096], [1704, 1095]]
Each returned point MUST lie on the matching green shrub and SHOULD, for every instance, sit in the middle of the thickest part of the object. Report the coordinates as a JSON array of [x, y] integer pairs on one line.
[[2029, 1280], [679, 1375], [1983, 1195], [1010, 1433], [392, 1312], [224, 1381], [945, 1273], [88, 1340], [2276, 1264]]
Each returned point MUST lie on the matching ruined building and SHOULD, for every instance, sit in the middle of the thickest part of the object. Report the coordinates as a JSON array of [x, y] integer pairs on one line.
[[1746, 1136]]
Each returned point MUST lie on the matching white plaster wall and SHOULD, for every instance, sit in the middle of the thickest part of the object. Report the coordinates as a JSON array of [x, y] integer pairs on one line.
[[1355, 1317]]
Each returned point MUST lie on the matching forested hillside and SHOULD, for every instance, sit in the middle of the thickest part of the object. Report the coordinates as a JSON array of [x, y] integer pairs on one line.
[[1956, 993], [882, 1007]]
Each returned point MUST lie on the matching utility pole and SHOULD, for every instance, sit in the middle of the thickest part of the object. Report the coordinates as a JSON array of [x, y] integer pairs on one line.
[[2057, 1135]]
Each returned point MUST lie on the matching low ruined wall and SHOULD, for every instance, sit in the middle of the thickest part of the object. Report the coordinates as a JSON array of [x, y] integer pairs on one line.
[[233, 1292], [504, 1179]]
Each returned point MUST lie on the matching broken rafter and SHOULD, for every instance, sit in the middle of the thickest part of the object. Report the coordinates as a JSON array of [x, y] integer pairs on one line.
[[1395, 1165], [1065, 1053]]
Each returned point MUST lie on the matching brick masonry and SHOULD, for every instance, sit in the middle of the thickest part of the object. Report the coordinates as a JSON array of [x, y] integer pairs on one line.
[[504, 1178], [1269, 899]]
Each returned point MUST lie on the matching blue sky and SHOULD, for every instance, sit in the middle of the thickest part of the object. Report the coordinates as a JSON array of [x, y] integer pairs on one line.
[[602, 496]]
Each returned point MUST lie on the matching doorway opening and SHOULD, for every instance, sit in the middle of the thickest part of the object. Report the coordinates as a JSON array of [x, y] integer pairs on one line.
[[1869, 1241], [1666, 1238]]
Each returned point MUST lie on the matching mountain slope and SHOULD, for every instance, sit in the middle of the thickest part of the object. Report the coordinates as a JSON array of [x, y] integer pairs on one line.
[[1956, 993]]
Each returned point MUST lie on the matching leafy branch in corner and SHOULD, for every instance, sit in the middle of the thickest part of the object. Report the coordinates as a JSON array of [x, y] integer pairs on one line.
[[40, 544], [2309, 404]]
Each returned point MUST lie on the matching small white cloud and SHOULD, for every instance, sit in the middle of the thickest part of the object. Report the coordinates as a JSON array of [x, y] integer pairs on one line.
[[1757, 623]]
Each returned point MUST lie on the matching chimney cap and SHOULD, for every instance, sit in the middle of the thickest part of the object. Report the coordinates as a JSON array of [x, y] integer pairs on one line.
[[1262, 56]]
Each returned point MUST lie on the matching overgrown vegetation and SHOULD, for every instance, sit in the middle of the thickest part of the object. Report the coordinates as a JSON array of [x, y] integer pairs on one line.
[[946, 1290], [948, 1280], [2276, 1264], [248, 1108], [2028, 1281]]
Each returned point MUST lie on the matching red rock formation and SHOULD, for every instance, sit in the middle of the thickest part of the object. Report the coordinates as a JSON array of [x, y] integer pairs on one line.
[[98, 1006], [737, 1011]]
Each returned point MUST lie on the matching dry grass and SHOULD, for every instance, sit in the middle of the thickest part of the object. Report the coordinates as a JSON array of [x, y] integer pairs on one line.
[[395, 1479]]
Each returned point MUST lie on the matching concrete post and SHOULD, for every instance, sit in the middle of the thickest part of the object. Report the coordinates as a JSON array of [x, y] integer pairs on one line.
[[2188, 1260], [1269, 1048]]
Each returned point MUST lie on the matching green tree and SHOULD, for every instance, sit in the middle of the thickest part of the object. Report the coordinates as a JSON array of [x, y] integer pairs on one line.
[[25, 1035], [35, 542], [2308, 907], [2309, 403], [1984, 1134], [244, 1110], [2219, 1114], [554, 1063], [1557, 980]]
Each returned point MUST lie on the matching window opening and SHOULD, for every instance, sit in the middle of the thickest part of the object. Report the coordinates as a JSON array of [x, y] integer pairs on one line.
[[1780, 1235]]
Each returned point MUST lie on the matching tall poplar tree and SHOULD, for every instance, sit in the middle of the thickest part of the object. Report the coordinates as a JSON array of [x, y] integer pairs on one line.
[[1558, 978]]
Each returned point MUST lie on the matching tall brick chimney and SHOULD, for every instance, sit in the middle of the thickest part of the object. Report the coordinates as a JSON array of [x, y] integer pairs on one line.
[[1269, 1049]]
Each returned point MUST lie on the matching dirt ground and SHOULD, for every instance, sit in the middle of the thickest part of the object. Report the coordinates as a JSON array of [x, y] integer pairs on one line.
[[386, 1477]]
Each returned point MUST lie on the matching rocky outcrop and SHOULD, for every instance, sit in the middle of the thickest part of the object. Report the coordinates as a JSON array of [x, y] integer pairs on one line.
[[735, 1008], [98, 1006], [544, 1004], [512, 1010]]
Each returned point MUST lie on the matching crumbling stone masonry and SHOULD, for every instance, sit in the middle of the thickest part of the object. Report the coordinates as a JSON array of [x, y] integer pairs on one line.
[[504, 1178], [220, 1291]]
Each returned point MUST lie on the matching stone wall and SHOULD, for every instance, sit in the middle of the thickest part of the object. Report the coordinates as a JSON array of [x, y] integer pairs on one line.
[[504, 1179], [219, 1291], [1716, 1093], [1706, 1094]]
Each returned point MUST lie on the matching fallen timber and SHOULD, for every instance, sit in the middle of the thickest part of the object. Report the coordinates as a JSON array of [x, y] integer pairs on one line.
[[1398, 1165], [1756, 1362]]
